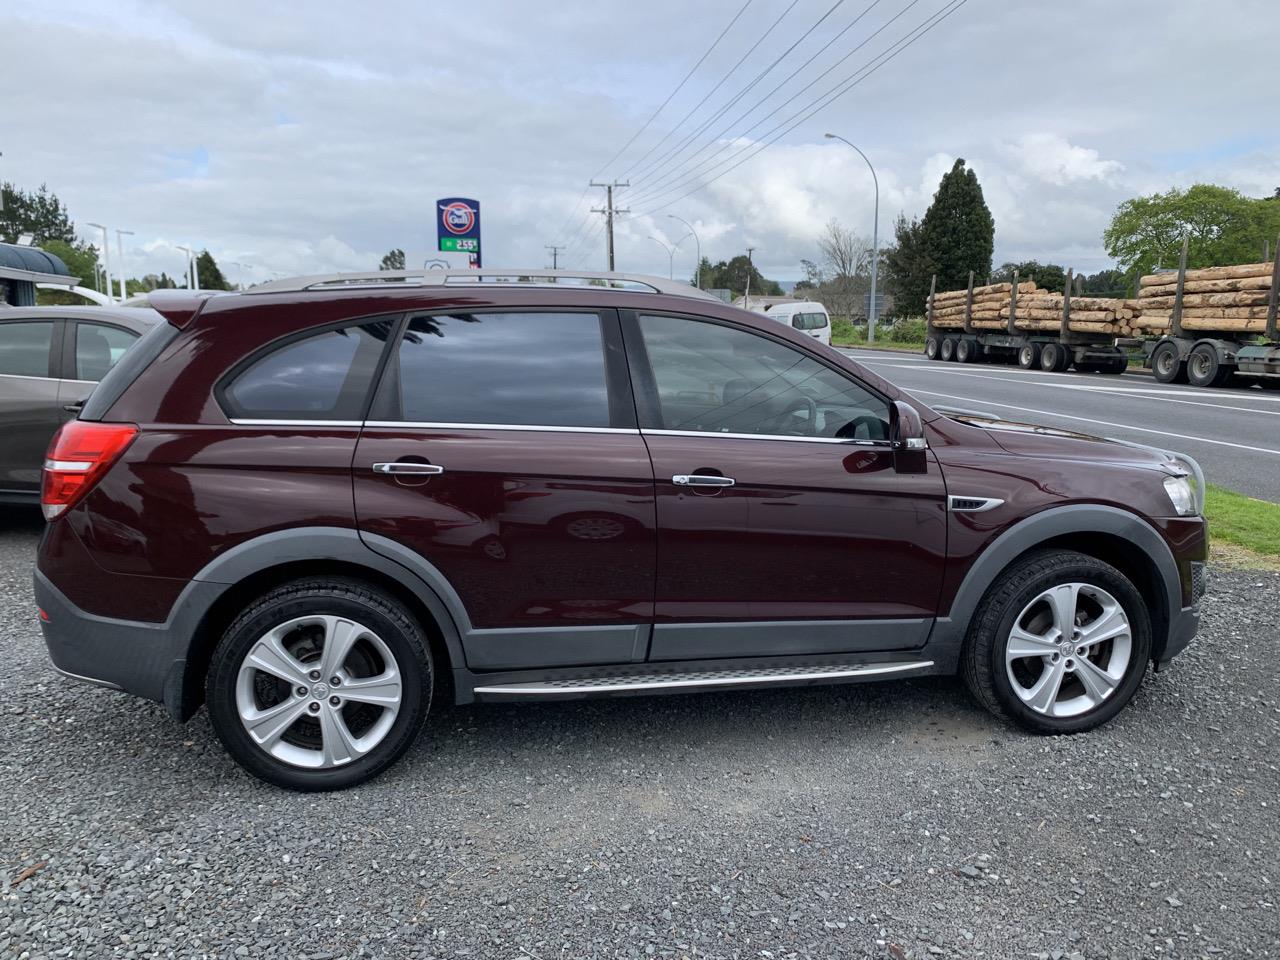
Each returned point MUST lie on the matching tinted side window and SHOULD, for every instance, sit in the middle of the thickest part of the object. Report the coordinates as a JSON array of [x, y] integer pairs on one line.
[[809, 321], [533, 369], [325, 376], [716, 379], [24, 348], [99, 348]]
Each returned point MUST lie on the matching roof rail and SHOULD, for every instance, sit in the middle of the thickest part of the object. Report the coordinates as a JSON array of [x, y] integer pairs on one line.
[[628, 282]]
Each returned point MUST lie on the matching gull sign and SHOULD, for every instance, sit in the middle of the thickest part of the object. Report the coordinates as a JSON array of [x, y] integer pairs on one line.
[[458, 227]]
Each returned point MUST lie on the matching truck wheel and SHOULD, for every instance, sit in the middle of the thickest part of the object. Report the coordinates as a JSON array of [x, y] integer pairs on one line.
[[1117, 365], [948, 349], [1059, 644], [931, 348], [1166, 366], [1204, 369], [966, 351], [1053, 358], [1029, 356], [320, 684]]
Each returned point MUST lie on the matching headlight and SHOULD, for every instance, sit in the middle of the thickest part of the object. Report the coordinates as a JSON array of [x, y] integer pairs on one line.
[[1181, 495]]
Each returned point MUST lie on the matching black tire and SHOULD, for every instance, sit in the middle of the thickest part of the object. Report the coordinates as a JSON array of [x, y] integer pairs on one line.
[[982, 662], [1165, 365], [1115, 366], [966, 351], [1029, 356], [931, 348], [1049, 357], [390, 620], [948, 349], [1205, 369], [1269, 383], [1088, 368]]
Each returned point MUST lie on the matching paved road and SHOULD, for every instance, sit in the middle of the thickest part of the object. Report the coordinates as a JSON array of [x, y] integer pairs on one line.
[[1233, 433], [887, 820]]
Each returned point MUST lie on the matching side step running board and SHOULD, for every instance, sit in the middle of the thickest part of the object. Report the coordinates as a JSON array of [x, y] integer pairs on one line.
[[627, 683]]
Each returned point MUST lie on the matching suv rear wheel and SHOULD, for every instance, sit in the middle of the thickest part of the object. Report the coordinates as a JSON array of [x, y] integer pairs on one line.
[[1060, 645], [320, 684]]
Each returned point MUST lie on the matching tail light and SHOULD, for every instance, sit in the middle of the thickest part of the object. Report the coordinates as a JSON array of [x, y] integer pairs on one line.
[[79, 456]]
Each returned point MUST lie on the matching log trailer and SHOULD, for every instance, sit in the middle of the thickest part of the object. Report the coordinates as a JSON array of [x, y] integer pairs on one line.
[[1087, 351], [1208, 358]]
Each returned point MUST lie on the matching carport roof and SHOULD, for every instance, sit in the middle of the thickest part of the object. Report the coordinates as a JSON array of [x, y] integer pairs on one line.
[[34, 265]]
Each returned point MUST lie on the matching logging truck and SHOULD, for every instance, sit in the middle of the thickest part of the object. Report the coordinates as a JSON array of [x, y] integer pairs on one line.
[[985, 324], [1213, 325]]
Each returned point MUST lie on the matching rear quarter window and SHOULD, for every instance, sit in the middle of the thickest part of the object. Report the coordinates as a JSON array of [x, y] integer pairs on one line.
[[325, 375]]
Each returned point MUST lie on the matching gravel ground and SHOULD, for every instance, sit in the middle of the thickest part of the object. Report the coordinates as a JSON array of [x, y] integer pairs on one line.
[[890, 820]]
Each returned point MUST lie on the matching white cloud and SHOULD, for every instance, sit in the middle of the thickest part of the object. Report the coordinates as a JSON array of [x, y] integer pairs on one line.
[[312, 143], [1052, 159]]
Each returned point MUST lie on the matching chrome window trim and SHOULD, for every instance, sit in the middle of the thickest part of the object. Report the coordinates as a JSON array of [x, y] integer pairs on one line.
[[25, 376], [281, 422], [847, 441], [432, 425]]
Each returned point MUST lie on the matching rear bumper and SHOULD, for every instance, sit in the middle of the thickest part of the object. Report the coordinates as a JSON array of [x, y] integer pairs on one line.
[[144, 659]]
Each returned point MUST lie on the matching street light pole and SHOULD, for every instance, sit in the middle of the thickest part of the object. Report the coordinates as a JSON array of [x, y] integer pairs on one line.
[[106, 257], [671, 257], [191, 266], [239, 273], [120, 234], [697, 271], [875, 241]]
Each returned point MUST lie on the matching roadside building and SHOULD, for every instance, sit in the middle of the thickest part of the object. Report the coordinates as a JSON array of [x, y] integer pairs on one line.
[[22, 267]]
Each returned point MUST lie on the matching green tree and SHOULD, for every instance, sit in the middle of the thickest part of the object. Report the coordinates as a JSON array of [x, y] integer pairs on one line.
[[957, 230], [908, 266], [40, 213], [394, 260], [1048, 276], [705, 274], [1108, 283], [1223, 225], [208, 274], [733, 275]]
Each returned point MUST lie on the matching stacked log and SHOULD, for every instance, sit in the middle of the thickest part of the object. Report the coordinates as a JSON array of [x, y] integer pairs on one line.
[[1038, 311], [1227, 299], [988, 300]]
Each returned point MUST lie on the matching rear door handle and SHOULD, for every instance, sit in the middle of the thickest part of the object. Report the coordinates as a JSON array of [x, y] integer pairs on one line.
[[701, 480], [409, 467]]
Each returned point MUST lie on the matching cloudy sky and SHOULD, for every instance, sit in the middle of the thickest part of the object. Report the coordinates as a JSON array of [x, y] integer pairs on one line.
[[309, 137]]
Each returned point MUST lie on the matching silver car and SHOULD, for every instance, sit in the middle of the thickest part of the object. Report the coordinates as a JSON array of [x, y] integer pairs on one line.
[[50, 360]]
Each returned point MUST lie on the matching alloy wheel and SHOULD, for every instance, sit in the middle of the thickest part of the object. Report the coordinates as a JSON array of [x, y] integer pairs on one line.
[[318, 691], [1069, 650]]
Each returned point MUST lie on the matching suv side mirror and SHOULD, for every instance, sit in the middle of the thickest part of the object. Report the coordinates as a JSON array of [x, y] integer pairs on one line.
[[906, 434]]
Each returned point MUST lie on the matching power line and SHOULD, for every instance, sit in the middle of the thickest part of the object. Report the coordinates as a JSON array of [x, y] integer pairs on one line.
[[574, 209], [718, 137], [656, 164], [609, 211], [697, 106], [679, 87], [830, 97]]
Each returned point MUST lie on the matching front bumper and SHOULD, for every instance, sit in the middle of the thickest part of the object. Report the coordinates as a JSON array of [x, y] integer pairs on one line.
[[145, 659]]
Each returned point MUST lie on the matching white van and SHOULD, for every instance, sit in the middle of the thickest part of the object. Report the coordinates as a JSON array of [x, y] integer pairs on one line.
[[805, 316]]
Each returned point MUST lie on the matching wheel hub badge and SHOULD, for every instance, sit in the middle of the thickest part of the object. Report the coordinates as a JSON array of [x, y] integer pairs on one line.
[[320, 691]]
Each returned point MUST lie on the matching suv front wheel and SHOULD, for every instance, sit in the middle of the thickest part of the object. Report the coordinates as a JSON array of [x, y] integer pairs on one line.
[[1059, 645], [320, 684]]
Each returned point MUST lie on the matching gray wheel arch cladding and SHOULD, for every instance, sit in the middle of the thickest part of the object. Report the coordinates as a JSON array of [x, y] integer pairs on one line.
[[349, 546], [1077, 518]]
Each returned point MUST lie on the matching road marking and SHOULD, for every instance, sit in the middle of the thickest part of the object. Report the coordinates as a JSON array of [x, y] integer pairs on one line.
[[1098, 423], [1143, 393]]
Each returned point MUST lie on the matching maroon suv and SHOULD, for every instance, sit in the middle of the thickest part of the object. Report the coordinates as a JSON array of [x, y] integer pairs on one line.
[[311, 504]]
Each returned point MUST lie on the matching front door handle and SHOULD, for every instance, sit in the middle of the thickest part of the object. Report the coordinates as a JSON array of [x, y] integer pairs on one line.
[[701, 480], [409, 467]]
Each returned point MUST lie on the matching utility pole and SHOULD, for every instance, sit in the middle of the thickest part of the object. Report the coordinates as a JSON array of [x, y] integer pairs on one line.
[[120, 235], [608, 210], [555, 255], [106, 257], [746, 296]]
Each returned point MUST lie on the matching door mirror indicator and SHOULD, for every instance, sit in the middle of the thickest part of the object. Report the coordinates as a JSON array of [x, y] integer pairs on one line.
[[906, 435]]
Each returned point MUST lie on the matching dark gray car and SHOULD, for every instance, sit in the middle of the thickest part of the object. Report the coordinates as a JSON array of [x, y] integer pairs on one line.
[[50, 360]]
